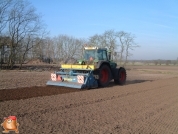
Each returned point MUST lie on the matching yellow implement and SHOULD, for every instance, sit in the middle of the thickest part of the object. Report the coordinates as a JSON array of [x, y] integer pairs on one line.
[[69, 66]]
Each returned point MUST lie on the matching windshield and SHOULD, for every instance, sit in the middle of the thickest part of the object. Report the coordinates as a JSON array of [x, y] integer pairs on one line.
[[90, 54], [95, 55]]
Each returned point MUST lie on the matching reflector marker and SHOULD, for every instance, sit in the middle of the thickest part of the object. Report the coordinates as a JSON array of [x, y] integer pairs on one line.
[[80, 79], [53, 77]]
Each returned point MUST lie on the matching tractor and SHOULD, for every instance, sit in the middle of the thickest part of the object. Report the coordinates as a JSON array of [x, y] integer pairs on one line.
[[96, 69]]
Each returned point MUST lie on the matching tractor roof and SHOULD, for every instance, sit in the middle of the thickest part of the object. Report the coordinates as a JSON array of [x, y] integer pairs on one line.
[[94, 48]]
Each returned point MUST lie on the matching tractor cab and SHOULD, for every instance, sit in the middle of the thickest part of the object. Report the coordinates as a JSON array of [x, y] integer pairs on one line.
[[95, 54]]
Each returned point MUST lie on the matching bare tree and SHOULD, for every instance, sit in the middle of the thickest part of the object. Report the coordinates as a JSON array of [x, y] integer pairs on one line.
[[79, 52], [26, 45], [129, 45], [68, 48], [122, 40], [107, 39], [120, 43], [4, 8], [49, 50], [96, 40], [4, 49], [23, 24], [110, 42]]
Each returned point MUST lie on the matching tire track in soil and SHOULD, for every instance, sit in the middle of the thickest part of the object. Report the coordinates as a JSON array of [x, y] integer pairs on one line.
[[166, 108], [30, 92], [163, 101], [128, 123], [75, 105], [153, 111]]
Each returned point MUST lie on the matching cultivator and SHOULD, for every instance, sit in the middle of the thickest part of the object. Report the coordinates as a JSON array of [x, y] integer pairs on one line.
[[74, 76], [96, 69]]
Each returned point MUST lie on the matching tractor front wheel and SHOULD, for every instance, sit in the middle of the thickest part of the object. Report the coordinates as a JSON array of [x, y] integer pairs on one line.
[[104, 76], [121, 79]]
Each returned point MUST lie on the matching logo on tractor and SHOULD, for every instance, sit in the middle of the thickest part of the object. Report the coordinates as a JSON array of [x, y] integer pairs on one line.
[[67, 79]]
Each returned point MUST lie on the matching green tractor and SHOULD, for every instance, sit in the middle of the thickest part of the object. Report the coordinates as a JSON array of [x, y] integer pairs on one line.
[[96, 69]]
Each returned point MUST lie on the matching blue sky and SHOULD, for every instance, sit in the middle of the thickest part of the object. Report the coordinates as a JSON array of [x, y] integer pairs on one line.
[[153, 22]]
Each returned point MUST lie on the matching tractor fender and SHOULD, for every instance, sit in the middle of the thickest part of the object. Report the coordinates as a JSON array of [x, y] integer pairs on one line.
[[100, 63]]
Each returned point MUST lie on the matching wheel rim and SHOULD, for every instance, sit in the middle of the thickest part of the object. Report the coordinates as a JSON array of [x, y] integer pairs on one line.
[[122, 76], [104, 75]]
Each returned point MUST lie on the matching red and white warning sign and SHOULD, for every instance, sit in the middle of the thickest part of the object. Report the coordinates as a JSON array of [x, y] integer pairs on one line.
[[80, 79], [53, 77]]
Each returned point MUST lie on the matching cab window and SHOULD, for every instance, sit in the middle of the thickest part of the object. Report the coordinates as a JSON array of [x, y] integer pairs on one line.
[[102, 55]]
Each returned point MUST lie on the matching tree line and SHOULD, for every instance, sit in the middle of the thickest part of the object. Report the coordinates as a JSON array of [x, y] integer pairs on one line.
[[23, 37]]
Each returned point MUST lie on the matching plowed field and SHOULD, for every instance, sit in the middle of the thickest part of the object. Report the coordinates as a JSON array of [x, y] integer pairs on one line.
[[148, 103]]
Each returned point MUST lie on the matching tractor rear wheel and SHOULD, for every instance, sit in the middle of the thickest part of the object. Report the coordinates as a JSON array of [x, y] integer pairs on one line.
[[104, 76], [121, 79]]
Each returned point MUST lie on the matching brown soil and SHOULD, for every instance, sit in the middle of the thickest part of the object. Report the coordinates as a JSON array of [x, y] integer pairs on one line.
[[30, 92], [148, 103]]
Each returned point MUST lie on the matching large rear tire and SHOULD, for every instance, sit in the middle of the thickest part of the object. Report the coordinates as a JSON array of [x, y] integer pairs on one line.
[[121, 79], [104, 76]]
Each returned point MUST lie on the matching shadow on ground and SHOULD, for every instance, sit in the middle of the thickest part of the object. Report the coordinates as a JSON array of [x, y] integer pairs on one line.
[[136, 81], [128, 82]]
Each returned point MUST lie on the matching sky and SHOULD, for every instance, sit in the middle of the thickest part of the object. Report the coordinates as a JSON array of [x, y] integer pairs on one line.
[[153, 22]]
